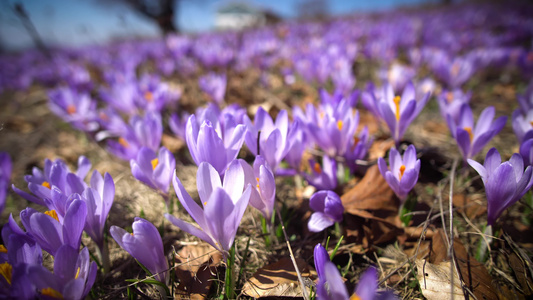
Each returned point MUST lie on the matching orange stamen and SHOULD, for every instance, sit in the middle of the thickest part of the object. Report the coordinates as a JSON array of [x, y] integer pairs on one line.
[[149, 96], [154, 162], [402, 170], [339, 124], [449, 97], [52, 213], [469, 130], [455, 69], [317, 168], [6, 270], [397, 103], [50, 292], [531, 122], [46, 184], [3, 249], [71, 109], [123, 142], [354, 297]]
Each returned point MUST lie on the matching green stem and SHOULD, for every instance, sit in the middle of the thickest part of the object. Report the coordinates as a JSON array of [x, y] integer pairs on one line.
[[406, 208], [104, 257], [229, 285], [483, 245], [266, 232]]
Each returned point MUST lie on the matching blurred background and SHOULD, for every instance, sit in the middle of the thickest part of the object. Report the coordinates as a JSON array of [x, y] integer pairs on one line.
[[49, 23]]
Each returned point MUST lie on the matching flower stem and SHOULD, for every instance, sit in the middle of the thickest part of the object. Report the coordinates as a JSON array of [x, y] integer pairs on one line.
[[266, 232], [229, 285], [406, 208], [104, 257]]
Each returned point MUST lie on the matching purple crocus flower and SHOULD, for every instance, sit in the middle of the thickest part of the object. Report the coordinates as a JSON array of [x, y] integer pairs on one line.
[[323, 177], [450, 103], [526, 99], [522, 123], [214, 85], [73, 277], [145, 245], [358, 148], [331, 286], [398, 112], [75, 108], [223, 205], [261, 178], [142, 131], [98, 199], [505, 183], [55, 173], [154, 169], [472, 139], [218, 149], [50, 233], [5, 175], [403, 172], [328, 210], [111, 124], [526, 149]]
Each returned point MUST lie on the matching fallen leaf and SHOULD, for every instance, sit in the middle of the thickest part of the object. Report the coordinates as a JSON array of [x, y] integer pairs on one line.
[[379, 148], [471, 206], [435, 281], [195, 267], [279, 280], [371, 193], [172, 143]]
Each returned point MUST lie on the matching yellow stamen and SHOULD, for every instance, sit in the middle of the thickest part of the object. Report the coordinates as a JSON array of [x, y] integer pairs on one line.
[[321, 115], [205, 203], [50, 292], [531, 122], [71, 109], [339, 124], [317, 168], [77, 273], [149, 96], [52, 213], [6, 270], [154, 162], [46, 184], [3, 249], [354, 297], [469, 130], [123, 142], [402, 170], [397, 103]]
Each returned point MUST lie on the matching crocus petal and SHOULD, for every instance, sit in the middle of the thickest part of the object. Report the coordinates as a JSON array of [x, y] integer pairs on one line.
[[74, 223], [191, 229], [233, 181], [188, 203], [337, 289], [319, 221], [321, 256], [208, 179], [479, 168], [500, 189], [484, 121], [368, 284], [492, 160], [84, 165]]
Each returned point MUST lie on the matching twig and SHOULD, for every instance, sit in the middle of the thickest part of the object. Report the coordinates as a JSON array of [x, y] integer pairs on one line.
[[300, 279], [450, 247]]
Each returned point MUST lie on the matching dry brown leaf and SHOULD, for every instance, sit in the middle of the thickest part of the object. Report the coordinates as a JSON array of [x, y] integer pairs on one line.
[[473, 273], [195, 267], [371, 193], [172, 143], [435, 281], [279, 279], [379, 148], [471, 206], [366, 229]]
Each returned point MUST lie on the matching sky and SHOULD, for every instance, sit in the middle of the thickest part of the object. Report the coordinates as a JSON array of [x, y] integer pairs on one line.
[[82, 22]]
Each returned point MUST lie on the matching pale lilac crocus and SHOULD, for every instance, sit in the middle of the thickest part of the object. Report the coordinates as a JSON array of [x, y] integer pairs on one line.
[[154, 169], [400, 111], [403, 172], [74, 107], [261, 179], [5, 175], [73, 277], [526, 149], [223, 205], [51, 233], [331, 286], [505, 183], [328, 210], [522, 123], [214, 85], [471, 139], [450, 102], [322, 177], [145, 245], [219, 149], [99, 198]]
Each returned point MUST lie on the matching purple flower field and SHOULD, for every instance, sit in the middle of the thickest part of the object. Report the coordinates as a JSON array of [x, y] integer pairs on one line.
[[373, 156]]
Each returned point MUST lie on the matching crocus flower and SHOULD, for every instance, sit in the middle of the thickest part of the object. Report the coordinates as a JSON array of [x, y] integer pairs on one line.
[[261, 179], [154, 170], [218, 149], [55, 173], [323, 177], [99, 199], [331, 286], [398, 112], [5, 175], [522, 123], [450, 103], [328, 210], [145, 245], [472, 139], [505, 183], [76, 108], [214, 85], [73, 277], [403, 172], [223, 205], [526, 149], [526, 99], [358, 148], [50, 233]]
